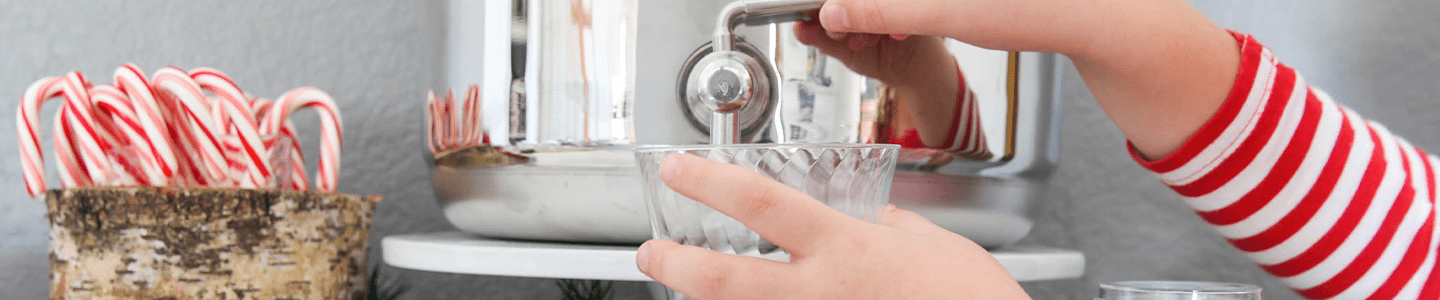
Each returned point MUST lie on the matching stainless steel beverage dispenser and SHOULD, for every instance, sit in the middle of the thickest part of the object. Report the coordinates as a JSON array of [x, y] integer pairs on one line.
[[574, 85]]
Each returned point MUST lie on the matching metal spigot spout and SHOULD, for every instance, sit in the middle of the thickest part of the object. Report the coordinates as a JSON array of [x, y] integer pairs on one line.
[[727, 81]]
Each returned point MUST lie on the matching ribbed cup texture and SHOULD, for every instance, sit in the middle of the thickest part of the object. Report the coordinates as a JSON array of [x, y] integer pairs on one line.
[[852, 178]]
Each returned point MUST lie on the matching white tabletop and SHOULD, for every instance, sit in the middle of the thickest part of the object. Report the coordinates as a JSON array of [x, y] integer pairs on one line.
[[463, 253]]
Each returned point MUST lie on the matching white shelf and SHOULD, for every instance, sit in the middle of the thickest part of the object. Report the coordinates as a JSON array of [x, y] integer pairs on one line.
[[463, 253]]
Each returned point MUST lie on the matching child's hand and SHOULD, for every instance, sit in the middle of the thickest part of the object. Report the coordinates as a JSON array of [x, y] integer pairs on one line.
[[902, 62], [1159, 68], [920, 69], [1014, 25], [833, 256]]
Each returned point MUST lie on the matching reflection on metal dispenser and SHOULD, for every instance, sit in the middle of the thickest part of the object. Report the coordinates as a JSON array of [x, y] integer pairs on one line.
[[586, 81]]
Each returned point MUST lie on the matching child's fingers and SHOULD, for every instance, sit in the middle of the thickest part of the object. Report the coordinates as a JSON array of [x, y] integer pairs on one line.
[[783, 215], [810, 33], [860, 42], [887, 16], [705, 274]]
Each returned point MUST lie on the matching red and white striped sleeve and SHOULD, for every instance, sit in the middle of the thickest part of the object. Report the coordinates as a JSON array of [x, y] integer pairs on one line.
[[1334, 205], [966, 137]]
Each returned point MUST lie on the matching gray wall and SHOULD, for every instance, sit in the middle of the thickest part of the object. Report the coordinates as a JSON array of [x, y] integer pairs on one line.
[[1378, 58], [378, 57]]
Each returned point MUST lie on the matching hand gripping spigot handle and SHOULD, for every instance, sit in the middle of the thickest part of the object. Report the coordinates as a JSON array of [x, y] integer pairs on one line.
[[758, 12]]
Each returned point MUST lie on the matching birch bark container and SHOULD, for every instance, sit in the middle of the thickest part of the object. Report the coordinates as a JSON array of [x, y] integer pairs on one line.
[[207, 243]]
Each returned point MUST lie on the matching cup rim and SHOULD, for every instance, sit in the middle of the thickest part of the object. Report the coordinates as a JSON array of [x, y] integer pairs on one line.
[[1181, 287], [669, 148]]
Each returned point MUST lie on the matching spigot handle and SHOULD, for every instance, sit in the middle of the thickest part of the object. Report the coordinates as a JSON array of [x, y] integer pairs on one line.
[[759, 12]]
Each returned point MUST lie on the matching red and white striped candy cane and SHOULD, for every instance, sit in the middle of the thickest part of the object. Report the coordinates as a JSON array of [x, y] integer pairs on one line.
[[72, 172], [298, 180], [241, 120], [472, 116], [432, 122], [118, 155], [296, 167], [330, 132], [455, 121], [152, 114], [234, 161], [443, 118], [120, 120], [27, 122], [86, 138], [197, 128]]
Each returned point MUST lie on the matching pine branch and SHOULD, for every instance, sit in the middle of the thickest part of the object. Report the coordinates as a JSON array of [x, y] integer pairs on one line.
[[576, 289]]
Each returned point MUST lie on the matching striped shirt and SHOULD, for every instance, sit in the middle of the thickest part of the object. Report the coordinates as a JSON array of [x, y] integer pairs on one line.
[[1334, 205], [965, 138]]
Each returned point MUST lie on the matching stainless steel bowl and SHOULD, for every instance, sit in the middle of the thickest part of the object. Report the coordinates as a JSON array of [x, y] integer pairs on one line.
[[574, 85], [597, 204]]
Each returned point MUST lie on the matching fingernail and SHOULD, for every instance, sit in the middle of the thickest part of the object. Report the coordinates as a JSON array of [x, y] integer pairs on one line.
[[670, 168], [642, 258], [833, 17], [899, 37], [835, 35]]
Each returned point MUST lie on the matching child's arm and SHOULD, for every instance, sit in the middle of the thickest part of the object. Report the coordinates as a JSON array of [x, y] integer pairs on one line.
[[1158, 68], [1350, 216], [927, 90], [1332, 204]]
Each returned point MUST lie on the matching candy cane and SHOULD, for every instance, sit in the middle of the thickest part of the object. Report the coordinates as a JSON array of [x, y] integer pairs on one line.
[[472, 116], [167, 131], [442, 122], [151, 114], [27, 123], [242, 121], [330, 133], [90, 145], [455, 120], [113, 107], [455, 123], [296, 170], [235, 162], [203, 134], [298, 180], [116, 145], [432, 117], [71, 170]]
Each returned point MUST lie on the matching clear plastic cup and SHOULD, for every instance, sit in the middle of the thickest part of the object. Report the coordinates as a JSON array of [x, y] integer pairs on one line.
[[1177, 290], [852, 178]]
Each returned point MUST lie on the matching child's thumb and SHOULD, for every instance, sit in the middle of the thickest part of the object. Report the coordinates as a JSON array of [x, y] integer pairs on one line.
[[878, 16]]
